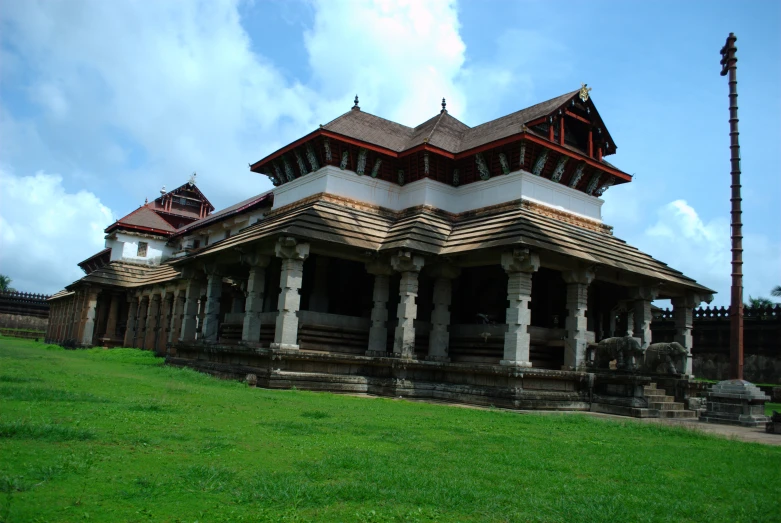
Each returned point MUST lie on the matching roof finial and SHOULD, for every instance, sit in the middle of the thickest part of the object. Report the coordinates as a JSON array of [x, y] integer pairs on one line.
[[163, 191], [191, 181], [444, 105], [355, 107], [146, 201], [584, 89]]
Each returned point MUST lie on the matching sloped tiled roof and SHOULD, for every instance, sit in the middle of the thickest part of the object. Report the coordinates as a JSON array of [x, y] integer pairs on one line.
[[124, 274], [373, 129], [443, 130], [143, 217], [510, 124], [266, 197], [323, 218], [64, 293]]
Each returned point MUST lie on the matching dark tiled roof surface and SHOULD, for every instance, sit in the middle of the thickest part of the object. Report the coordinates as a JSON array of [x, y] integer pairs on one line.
[[124, 274], [420, 229], [64, 293], [233, 209], [96, 255], [443, 130], [144, 217], [373, 129]]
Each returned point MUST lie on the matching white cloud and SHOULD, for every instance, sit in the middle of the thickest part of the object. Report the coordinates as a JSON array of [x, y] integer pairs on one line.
[[401, 56], [124, 97], [45, 231], [701, 250]]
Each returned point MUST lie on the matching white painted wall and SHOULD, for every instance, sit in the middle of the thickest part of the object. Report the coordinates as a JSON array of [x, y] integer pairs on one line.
[[124, 246], [499, 189]]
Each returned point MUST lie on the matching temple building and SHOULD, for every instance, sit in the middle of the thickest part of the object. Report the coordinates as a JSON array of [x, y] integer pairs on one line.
[[442, 261]]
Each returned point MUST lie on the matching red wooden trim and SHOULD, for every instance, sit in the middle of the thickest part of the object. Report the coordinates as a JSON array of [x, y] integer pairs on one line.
[[589, 161], [575, 116], [359, 143], [490, 145], [119, 225], [427, 147], [561, 131], [550, 132], [599, 153], [538, 121], [285, 149], [590, 143]]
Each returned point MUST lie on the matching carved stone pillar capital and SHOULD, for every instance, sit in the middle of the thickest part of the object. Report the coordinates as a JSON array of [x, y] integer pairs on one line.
[[444, 270], [291, 249], [691, 300], [644, 293], [520, 260], [406, 261], [213, 269], [581, 276], [255, 259], [379, 268]]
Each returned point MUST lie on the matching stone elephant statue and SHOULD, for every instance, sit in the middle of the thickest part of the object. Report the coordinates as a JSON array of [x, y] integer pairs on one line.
[[665, 358], [626, 351]]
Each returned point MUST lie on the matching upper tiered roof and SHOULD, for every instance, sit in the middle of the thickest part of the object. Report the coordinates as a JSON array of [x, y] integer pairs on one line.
[[169, 212], [539, 139]]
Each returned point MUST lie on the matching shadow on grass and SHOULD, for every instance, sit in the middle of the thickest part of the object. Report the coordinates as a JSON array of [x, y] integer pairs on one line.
[[10, 392], [17, 379], [27, 430]]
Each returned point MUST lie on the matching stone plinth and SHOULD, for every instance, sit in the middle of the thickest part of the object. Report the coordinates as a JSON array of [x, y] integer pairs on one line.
[[736, 402]]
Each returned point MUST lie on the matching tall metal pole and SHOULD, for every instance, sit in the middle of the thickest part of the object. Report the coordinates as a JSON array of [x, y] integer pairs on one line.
[[729, 66]]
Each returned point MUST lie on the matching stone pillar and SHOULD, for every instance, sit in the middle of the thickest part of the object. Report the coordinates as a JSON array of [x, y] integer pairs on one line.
[[683, 309], [113, 317], [152, 322], [439, 339], [130, 330], [318, 301], [70, 318], [190, 312], [165, 322], [293, 255], [576, 324], [409, 265], [75, 319], [643, 296], [256, 289], [211, 320], [237, 302], [50, 322], [519, 265], [80, 317], [143, 307], [378, 333], [88, 322], [176, 317]]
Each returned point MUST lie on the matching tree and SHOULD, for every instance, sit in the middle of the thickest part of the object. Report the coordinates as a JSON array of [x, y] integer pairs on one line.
[[776, 291], [759, 302], [5, 283]]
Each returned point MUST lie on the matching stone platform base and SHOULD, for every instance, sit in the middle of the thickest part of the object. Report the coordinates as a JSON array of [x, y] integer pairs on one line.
[[520, 388], [736, 402]]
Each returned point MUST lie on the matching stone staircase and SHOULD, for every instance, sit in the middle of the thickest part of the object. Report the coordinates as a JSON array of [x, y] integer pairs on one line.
[[667, 407]]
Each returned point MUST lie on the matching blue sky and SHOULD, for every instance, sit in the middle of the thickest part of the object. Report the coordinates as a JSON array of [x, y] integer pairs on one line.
[[102, 103]]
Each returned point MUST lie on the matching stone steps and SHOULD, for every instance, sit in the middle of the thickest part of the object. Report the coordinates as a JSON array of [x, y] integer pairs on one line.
[[665, 405]]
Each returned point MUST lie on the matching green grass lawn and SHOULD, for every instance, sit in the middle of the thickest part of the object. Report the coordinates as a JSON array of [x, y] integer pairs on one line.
[[114, 436]]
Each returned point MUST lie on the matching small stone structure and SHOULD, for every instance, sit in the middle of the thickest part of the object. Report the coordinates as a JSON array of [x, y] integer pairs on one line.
[[736, 402]]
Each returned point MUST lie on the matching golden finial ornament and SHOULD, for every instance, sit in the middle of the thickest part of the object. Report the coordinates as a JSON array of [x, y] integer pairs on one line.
[[584, 89]]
